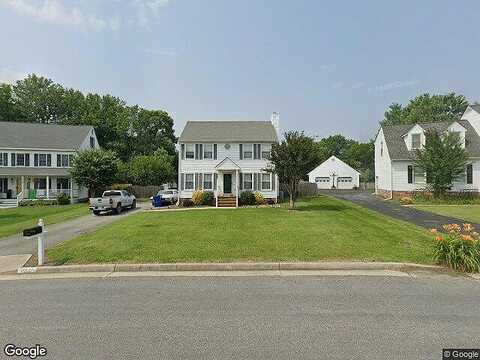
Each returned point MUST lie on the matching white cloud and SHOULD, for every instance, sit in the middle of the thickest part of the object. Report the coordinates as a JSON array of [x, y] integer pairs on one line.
[[393, 85], [62, 12], [9, 76]]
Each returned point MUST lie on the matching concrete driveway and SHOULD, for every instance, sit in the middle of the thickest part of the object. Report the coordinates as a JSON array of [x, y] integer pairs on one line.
[[17, 244], [394, 209]]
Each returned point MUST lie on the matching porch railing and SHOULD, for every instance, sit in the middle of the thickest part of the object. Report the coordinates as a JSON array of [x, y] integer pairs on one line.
[[52, 193]]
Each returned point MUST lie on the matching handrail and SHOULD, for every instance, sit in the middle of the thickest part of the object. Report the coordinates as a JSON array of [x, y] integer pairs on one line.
[[19, 197]]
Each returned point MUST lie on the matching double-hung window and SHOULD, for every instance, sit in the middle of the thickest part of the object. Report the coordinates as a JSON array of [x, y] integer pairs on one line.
[[63, 160], [21, 159], [189, 184], [189, 151], [416, 141], [3, 159], [469, 174], [266, 181], [248, 151], [208, 151], [208, 181], [418, 175], [247, 181], [42, 160]]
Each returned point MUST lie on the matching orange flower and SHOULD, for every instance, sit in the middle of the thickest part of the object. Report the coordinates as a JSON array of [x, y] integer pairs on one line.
[[467, 227], [433, 231], [439, 238], [467, 237]]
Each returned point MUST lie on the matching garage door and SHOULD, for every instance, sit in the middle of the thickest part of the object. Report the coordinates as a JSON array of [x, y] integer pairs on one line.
[[323, 182], [345, 183]]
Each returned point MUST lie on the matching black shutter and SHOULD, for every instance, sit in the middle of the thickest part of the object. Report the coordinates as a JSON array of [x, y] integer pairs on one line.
[[13, 161], [273, 181], [255, 181], [240, 146], [200, 148], [49, 159], [200, 181], [196, 151], [469, 174], [35, 160], [241, 181], [256, 151], [182, 181], [214, 181], [27, 159], [215, 151], [59, 160], [182, 151], [5, 159], [410, 174]]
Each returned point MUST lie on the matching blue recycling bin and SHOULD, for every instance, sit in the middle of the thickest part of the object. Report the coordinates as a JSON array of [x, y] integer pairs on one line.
[[157, 201]]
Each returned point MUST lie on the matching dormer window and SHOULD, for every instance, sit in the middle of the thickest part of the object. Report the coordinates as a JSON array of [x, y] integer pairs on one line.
[[416, 141]]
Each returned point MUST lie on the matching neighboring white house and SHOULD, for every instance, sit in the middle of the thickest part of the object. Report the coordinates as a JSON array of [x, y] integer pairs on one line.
[[333, 173], [395, 174], [35, 160], [227, 157]]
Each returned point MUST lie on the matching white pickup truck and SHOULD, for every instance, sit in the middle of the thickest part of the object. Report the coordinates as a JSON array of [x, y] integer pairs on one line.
[[113, 200]]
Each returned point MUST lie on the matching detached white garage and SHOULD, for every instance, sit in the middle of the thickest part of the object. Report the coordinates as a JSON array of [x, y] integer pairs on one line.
[[333, 173]]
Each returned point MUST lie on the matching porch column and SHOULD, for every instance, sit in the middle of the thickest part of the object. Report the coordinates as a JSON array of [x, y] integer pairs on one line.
[[48, 187], [23, 186], [236, 188], [216, 191], [71, 191]]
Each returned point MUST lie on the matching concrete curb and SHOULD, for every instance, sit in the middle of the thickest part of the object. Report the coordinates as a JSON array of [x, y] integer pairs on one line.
[[237, 266]]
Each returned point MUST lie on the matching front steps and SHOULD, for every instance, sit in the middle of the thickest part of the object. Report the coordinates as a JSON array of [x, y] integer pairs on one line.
[[8, 203], [227, 201]]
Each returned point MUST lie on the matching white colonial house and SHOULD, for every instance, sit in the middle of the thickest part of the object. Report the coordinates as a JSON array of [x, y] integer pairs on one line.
[[333, 173], [35, 160], [227, 157], [395, 174]]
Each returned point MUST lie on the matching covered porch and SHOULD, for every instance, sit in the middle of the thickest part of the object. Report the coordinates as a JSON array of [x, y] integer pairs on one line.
[[227, 185]]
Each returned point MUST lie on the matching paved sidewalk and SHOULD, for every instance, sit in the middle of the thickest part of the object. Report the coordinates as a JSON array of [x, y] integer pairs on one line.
[[17, 244], [395, 210]]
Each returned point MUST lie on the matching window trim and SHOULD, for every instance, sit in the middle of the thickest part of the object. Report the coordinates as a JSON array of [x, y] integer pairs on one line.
[[244, 182], [244, 151], [419, 141], [186, 182], [187, 151], [204, 181], [204, 151], [415, 177], [263, 181]]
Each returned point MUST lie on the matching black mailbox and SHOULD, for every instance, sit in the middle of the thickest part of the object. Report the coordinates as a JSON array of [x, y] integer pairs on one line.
[[32, 231]]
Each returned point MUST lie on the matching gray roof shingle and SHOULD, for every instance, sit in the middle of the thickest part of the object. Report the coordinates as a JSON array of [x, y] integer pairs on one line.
[[42, 136], [228, 131], [476, 107], [397, 149]]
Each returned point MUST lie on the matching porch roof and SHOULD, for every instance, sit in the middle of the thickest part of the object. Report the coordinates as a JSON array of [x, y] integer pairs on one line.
[[227, 164], [30, 171]]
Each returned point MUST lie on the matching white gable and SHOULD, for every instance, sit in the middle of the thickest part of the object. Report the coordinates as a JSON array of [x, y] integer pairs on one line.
[[332, 165], [473, 117], [417, 129]]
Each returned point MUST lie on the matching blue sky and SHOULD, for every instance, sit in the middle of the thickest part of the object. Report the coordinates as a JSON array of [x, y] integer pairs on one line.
[[326, 66]]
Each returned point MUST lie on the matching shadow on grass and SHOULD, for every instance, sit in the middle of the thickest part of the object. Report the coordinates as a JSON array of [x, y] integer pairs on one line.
[[322, 207]]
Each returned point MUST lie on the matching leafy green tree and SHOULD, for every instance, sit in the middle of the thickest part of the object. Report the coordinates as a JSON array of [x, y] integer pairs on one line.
[[8, 109], [426, 108], [443, 159], [39, 99], [156, 169], [95, 169], [291, 160], [334, 145]]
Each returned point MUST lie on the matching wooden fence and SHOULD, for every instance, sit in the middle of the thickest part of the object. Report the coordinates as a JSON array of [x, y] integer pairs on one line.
[[305, 188]]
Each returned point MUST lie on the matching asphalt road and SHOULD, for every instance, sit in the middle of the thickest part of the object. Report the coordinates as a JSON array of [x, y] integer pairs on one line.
[[394, 209], [301, 317], [17, 244]]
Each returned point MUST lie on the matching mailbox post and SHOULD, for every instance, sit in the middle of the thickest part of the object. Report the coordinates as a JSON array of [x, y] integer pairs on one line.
[[40, 232]]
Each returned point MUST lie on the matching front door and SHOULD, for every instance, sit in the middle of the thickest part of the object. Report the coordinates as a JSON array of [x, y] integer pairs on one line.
[[227, 183]]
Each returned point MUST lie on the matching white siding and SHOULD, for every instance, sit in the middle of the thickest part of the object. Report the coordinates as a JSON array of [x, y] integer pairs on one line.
[[473, 118], [233, 153], [337, 166], [383, 165]]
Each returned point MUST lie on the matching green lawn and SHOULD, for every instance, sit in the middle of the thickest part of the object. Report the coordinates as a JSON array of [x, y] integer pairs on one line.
[[13, 221], [322, 228], [464, 212]]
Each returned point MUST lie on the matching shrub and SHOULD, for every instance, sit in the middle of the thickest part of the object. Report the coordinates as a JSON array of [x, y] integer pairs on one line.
[[459, 248], [126, 187], [197, 197], [259, 200], [63, 199], [406, 200], [247, 198], [186, 203], [207, 198]]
